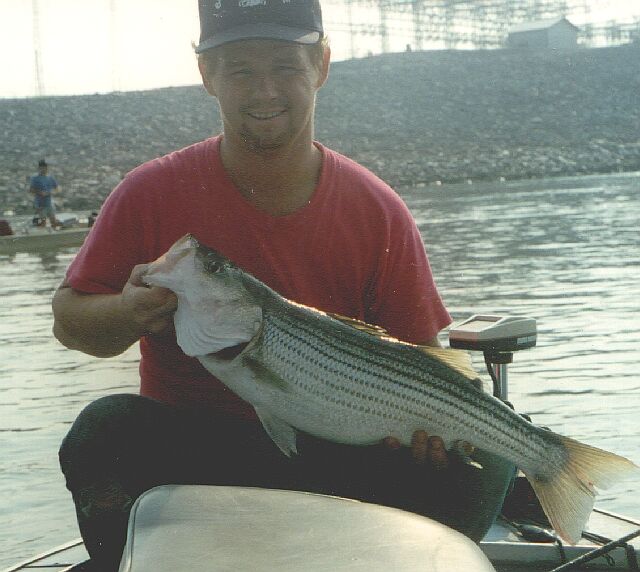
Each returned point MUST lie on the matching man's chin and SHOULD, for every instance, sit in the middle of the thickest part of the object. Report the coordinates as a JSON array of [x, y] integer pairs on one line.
[[263, 147], [264, 144]]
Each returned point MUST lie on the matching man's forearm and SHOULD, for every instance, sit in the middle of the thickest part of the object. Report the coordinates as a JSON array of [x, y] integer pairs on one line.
[[96, 324]]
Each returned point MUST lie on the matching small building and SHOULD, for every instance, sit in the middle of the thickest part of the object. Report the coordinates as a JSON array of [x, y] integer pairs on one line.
[[555, 33]]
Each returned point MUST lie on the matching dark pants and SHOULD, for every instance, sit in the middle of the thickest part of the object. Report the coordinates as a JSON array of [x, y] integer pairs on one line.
[[123, 445]]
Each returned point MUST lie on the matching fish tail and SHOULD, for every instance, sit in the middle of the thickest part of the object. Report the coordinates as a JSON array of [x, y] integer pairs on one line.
[[567, 497]]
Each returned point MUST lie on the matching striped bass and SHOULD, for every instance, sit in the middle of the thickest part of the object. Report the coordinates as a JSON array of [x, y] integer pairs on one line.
[[349, 382]]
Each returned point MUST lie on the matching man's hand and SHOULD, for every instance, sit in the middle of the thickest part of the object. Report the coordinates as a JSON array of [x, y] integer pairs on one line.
[[105, 325], [151, 308], [425, 449]]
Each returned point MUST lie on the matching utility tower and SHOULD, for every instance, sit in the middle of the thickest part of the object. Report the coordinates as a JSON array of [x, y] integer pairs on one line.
[[113, 26], [385, 7], [37, 49], [476, 24]]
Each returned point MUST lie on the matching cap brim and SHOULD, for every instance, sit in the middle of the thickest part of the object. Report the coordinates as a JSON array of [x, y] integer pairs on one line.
[[263, 31]]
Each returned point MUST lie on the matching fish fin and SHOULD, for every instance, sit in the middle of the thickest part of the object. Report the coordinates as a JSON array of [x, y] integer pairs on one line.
[[360, 325], [282, 434], [567, 498], [455, 359], [262, 374]]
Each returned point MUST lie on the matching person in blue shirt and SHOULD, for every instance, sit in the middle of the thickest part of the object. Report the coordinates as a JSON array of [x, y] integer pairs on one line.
[[42, 187]]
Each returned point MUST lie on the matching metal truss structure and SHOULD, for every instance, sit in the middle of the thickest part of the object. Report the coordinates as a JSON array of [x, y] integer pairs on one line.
[[470, 24]]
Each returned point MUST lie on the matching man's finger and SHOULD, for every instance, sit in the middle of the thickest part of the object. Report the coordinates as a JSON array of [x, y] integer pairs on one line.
[[137, 274], [420, 446], [391, 443], [154, 300], [437, 454], [465, 447], [166, 300]]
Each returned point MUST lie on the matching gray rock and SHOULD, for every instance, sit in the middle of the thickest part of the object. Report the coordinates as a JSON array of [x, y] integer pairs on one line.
[[413, 118]]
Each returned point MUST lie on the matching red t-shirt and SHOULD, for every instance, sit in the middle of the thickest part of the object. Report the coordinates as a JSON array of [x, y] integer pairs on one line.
[[353, 249]]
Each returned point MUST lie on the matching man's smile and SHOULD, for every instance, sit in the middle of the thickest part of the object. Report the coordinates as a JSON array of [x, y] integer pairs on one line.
[[265, 115]]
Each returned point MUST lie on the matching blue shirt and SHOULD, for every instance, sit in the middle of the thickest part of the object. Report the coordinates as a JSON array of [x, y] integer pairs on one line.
[[45, 185]]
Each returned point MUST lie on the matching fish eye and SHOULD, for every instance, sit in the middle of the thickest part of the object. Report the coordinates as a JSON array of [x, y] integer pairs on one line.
[[214, 265]]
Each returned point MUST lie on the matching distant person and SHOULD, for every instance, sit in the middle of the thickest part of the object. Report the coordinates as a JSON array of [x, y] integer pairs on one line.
[[42, 187]]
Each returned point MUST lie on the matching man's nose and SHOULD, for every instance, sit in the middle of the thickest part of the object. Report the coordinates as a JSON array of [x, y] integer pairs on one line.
[[268, 86]]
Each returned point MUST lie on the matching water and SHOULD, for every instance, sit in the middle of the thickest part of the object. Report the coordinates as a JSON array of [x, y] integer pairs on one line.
[[565, 251], [42, 388]]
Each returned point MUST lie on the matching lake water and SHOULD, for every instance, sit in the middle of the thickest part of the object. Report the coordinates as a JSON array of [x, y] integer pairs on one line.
[[565, 251]]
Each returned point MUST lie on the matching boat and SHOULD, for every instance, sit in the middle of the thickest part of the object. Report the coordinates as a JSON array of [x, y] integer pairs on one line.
[[209, 527], [198, 525], [41, 240], [28, 237]]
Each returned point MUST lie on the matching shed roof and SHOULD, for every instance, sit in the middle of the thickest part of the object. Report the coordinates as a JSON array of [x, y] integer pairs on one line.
[[538, 25]]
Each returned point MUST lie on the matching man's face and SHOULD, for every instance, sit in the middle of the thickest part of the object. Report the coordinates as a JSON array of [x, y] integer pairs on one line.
[[266, 90], [42, 169]]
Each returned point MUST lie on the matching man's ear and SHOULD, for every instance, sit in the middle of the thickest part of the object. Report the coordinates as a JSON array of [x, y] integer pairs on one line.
[[206, 79], [324, 72]]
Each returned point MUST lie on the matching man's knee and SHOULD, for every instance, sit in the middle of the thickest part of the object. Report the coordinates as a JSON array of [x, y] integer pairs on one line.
[[99, 428], [110, 410]]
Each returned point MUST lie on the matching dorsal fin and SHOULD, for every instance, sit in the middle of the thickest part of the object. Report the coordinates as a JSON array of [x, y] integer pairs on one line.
[[360, 325], [455, 359]]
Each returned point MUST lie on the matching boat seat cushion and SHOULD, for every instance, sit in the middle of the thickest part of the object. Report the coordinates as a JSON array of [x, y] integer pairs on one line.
[[214, 528]]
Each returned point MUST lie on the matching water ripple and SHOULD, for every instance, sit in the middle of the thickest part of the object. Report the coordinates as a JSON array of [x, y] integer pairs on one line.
[[564, 251]]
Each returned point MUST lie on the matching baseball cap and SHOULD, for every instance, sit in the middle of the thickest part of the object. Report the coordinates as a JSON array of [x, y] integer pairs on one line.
[[42, 163], [223, 21]]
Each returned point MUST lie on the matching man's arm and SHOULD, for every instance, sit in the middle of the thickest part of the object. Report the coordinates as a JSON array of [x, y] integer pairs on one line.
[[105, 325]]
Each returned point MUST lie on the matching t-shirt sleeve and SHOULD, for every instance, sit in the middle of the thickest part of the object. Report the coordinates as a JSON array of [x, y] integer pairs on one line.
[[115, 244], [406, 300]]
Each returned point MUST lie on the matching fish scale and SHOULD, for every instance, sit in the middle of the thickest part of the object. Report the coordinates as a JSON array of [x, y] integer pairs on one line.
[[349, 382], [311, 360]]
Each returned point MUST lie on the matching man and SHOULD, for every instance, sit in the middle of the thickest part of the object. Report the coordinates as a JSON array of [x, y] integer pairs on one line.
[[313, 225], [42, 187]]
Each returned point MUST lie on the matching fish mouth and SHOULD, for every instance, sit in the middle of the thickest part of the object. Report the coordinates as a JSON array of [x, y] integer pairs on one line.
[[169, 260]]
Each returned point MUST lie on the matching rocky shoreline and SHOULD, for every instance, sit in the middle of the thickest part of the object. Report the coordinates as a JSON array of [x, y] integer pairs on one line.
[[415, 119]]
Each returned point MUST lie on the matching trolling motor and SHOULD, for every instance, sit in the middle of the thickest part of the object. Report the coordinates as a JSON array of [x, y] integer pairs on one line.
[[497, 337]]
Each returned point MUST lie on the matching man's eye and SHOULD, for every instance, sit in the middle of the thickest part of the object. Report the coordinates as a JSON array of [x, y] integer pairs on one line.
[[288, 69]]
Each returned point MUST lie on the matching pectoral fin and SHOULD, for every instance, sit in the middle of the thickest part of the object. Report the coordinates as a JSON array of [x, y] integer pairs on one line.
[[282, 434]]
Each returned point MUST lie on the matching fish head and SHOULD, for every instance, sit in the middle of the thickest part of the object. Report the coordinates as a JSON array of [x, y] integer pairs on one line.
[[217, 306]]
